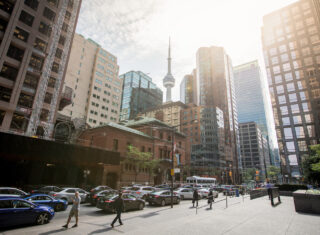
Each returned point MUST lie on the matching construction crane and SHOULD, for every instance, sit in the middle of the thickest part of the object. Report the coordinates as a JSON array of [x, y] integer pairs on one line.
[[34, 121]]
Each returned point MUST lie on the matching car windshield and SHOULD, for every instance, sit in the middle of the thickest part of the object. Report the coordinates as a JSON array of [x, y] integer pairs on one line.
[[135, 188]]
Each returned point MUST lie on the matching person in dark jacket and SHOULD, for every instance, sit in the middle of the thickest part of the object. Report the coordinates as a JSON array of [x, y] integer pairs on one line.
[[195, 198], [118, 206], [210, 198]]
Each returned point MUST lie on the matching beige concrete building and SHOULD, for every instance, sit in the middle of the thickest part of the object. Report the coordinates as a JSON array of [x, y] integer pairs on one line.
[[35, 39], [169, 112], [93, 75]]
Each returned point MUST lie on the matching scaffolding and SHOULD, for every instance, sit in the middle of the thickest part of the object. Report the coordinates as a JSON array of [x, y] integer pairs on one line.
[[48, 125]]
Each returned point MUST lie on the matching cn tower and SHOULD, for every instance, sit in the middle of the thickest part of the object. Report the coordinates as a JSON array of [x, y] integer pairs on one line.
[[168, 80]]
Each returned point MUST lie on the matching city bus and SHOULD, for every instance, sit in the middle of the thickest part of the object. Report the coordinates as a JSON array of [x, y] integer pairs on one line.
[[193, 180]]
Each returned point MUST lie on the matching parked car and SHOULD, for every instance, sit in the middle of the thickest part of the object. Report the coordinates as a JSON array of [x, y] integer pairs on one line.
[[204, 192], [142, 191], [185, 193], [67, 194], [130, 202], [11, 192], [126, 189], [94, 199], [46, 190], [162, 198], [17, 211], [44, 199]]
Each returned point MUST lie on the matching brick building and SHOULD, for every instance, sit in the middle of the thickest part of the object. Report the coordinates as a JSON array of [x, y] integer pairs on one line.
[[147, 135]]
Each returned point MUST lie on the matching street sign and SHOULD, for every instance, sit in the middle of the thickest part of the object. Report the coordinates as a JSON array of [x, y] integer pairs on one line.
[[176, 170], [172, 172]]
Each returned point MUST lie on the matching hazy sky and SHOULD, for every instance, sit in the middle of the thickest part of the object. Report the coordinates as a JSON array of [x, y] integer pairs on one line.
[[137, 31]]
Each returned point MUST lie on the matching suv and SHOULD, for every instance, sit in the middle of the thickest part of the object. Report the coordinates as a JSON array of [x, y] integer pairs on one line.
[[67, 194], [142, 191], [94, 191], [11, 192]]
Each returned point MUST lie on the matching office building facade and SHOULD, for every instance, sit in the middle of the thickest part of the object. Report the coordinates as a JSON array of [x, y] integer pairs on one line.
[[93, 76], [139, 94], [188, 88], [218, 122], [254, 148], [35, 37], [291, 46], [253, 103]]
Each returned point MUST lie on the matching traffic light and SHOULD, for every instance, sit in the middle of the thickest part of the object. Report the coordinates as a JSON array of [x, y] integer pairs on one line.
[[257, 172]]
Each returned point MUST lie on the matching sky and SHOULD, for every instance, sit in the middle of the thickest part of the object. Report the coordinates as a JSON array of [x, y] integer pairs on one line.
[[137, 31]]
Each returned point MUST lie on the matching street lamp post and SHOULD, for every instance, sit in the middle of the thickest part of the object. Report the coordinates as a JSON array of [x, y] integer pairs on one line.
[[172, 166]]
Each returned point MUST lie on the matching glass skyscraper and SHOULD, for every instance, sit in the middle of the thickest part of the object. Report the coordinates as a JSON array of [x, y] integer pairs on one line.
[[139, 94], [252, 101]]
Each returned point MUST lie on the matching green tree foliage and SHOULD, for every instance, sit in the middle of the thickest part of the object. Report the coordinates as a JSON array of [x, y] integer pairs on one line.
[[311, 165], [249, 174], [141, 160], [273, 172]]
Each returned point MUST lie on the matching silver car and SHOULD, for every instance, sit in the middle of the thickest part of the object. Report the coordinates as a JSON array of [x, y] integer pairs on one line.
[[67, 194], [185, 193], [142, 191], [11, 192]]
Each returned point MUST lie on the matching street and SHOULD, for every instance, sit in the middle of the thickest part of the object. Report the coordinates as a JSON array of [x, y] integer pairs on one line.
[[243, 216]]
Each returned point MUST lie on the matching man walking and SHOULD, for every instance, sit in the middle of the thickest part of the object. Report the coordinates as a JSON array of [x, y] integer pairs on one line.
[[118, 206], [195, 198], [74, 210], [210, 198]]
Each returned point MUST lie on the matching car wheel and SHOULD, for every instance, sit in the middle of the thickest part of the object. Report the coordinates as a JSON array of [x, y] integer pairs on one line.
[[58, 207], [43, 218], [163, 202], [182, 197], [178, 200], [141, 206]]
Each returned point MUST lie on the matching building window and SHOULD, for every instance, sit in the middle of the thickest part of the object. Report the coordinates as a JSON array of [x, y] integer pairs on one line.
[[48, 98], [18, 122], [49, 14], [55, 67], [9, 72], [3, 25], [25, 100], [5, 94], [44, 115], [297, 119], [65, 27], [62, 40], [287, 133], [51, 82], [31, 81], [15, 53], [40, 45], [2, 113], [45, 29], [295, 108], [32, 4], [299, 132], [115, 145], [36, 62], [21, 34], [53, 2], [26, 18]]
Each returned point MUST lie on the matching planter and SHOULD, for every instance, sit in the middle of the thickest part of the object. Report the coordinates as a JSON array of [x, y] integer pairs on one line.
[[306, 202], [286, 193]]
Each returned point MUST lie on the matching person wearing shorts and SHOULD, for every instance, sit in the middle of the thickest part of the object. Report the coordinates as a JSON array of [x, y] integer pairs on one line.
[[74, 210]]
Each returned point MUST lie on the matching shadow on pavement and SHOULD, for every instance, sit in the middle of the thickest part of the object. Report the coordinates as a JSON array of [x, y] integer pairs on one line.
[[105, 230], [53, 231]]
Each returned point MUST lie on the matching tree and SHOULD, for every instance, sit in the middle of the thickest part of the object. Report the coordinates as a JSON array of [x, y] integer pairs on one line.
[[311, 165], [140, 160], [273, 172], [249, 174]]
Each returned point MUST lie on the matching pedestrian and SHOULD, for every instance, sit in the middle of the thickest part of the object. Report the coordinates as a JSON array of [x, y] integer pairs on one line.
[[268, 186], [118, 206], [74, 210], [210, 198], [195, 198]]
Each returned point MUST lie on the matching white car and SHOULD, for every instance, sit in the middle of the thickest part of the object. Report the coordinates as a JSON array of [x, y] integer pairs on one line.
[[185, 193], [142, 191], [67, 194], [204, 192]]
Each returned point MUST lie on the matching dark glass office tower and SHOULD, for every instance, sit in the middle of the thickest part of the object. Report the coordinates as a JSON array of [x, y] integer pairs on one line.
[[291, 46], [139, 94], [219, 146]]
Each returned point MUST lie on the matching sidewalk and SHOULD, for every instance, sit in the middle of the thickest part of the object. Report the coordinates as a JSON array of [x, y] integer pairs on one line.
[[249, 217]]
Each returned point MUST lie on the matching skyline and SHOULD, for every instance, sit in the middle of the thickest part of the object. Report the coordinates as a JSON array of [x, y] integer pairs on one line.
[[137, 32]]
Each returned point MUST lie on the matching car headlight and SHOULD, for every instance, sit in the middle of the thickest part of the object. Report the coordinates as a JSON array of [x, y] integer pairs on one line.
[[51, 210]]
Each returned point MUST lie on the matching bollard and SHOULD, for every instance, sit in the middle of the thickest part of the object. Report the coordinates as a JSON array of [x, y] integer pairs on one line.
[[226, 200]]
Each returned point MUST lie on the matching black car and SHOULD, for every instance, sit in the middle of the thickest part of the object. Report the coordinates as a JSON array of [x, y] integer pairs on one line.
[[46, 190], [130, 202], [163, 198], [94, 191], [94, 199]]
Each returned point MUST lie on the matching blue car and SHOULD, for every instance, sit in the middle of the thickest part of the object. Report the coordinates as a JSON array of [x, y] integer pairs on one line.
[[17, 211], [44, 199]]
